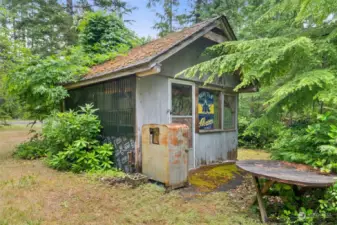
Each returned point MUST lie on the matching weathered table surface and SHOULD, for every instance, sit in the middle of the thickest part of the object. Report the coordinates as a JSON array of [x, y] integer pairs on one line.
[[283, 172], [289, 173]]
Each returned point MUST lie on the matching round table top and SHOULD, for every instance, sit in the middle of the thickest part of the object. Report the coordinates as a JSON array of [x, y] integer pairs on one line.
[[289, 173]]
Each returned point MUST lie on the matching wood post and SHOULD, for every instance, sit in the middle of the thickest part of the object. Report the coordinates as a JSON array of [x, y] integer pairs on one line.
[[263, 212]]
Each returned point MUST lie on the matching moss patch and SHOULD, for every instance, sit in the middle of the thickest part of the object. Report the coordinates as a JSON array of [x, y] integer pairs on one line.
[[208, 179]]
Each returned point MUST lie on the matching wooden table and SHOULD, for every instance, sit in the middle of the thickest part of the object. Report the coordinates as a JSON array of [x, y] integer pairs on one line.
[[283, 172]]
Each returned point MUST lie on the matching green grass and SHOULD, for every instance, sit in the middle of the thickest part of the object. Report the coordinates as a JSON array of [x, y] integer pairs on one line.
[[245, 154], [31, 193]]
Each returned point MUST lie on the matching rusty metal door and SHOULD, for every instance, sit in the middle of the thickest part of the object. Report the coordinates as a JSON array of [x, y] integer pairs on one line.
[[182, 110]]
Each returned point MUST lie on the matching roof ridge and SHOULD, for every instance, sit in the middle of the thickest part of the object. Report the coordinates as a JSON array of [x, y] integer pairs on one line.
[[144, 53], [184, 28]]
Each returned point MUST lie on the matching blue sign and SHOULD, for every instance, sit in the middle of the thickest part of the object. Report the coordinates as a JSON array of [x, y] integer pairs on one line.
[[206, 110]]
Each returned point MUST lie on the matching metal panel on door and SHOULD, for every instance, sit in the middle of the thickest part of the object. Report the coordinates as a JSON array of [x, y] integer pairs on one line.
[[182, 99]]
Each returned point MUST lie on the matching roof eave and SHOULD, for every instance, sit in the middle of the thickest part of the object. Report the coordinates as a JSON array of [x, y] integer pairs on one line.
[[144, 68], [150, 62]]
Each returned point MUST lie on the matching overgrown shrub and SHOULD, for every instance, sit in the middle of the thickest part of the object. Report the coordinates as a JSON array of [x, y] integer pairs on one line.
[[33, 149], [316, 206], [83, 156], [260, 136], [69, 142], [315, 145], [62, 129]]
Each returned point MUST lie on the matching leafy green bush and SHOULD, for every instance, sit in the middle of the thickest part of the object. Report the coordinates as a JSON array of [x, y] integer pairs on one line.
[[62, 129], [69, 142], [260, 136], [316, 145], [317, 207], [33, 149], [83, 156]]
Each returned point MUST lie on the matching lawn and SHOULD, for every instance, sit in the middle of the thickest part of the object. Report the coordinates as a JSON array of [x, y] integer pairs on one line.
[[246, 154], [31, 193]]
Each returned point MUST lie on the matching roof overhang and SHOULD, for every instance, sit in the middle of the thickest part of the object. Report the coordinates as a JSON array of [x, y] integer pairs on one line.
[[141, 71], [249, 89]]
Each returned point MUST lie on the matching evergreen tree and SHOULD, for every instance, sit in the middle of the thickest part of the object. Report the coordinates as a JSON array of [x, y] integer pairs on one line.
[[168, 18], [70, 8], [43, 25], [119, 7], [300, 57]]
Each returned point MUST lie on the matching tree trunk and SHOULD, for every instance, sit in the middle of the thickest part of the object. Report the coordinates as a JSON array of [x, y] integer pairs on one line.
[[70, 7], [170, 15], [197, 10]]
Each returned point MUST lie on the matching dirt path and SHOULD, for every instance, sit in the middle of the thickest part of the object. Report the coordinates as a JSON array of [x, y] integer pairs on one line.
[[31, 193]]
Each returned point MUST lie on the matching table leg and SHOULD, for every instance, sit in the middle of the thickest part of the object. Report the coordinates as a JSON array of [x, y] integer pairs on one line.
[[263, 212]]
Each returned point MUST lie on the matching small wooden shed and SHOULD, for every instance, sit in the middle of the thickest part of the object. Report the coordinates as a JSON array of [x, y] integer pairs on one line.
[[139, 88]]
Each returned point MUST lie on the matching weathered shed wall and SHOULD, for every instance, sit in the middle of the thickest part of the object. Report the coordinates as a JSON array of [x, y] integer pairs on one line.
[[152, 100], [151, 105], [215, 147], [209, 147], [190, 56]]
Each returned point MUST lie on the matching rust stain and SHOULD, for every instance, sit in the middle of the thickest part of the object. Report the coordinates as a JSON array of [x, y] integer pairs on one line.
[[177, 161], [178, 154], [174, 140]]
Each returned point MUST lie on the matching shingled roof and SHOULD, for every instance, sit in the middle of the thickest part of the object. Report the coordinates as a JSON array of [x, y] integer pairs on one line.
[[150, 52]]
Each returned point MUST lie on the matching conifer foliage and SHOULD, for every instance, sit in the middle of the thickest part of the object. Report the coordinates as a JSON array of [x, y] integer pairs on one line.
[[302, 59]]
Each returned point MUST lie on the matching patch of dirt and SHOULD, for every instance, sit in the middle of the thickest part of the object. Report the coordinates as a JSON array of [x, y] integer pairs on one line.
[[244, 195]]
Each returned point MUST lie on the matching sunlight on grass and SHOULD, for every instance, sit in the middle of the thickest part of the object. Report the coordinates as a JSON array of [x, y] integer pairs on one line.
[[246, 154]]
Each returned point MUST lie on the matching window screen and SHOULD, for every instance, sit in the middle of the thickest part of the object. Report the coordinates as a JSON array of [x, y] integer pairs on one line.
[[181, 100], [115, 100], [229, 111]]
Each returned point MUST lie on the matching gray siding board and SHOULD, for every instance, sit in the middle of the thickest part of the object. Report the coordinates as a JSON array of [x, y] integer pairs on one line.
[[151, 102], [213, 147]]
